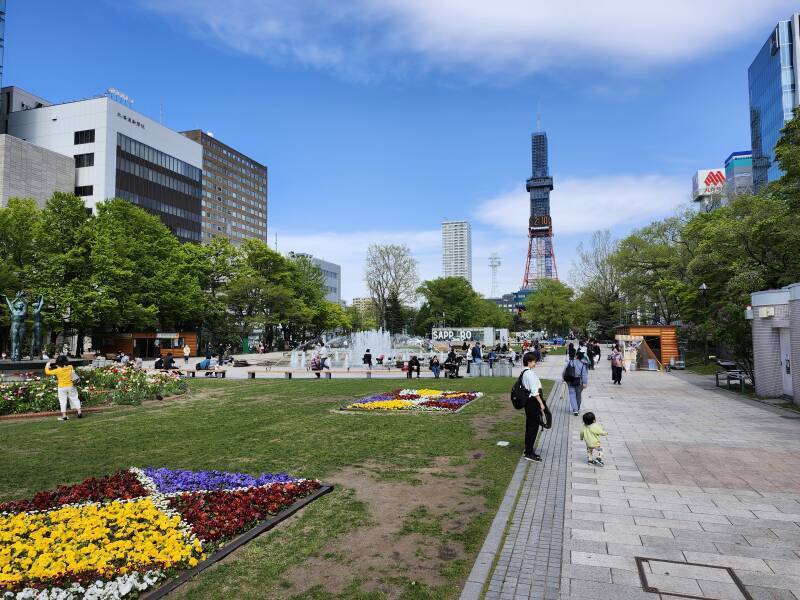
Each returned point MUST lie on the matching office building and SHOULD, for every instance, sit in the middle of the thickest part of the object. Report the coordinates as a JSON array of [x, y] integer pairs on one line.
[[513, 302], [28, 171], [773, 86], [457, 249], [234, 192], [15, 99], [363, 305], [119, 152], [738, 174], [331, 274]]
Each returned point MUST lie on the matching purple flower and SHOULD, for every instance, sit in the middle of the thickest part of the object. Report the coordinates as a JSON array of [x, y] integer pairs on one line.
[[179, 480]]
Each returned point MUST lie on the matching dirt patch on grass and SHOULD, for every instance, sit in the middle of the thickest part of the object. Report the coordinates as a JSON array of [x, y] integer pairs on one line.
[[410, 533]]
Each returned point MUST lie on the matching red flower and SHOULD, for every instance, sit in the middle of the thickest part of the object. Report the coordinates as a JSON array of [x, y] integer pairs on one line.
[[223, 514], [122, 485]]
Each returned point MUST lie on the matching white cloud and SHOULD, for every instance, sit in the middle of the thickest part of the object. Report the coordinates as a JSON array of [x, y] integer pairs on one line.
[[584, 205], [365, 38]]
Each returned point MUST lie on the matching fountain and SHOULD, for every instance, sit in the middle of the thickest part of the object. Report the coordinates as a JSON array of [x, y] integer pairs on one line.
[[377, 342]]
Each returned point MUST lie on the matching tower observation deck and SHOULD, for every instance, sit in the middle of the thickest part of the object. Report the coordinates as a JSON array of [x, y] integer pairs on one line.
[[541, 261]]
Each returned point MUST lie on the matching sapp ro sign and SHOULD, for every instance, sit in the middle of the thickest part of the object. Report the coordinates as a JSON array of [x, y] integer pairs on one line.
[[463, 334]]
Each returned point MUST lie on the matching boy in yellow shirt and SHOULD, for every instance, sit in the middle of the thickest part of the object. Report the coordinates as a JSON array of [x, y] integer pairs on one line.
[[591, 433], [64, 373]]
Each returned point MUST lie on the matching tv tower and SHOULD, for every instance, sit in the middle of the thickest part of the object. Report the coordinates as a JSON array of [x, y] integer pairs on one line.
[[494, 263], [541, 261]]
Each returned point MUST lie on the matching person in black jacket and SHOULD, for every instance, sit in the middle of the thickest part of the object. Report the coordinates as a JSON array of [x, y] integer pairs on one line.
[[413, 365], [367, 360]]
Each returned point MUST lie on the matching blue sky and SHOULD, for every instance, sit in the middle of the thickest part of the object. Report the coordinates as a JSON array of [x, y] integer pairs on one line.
[[380, 119]]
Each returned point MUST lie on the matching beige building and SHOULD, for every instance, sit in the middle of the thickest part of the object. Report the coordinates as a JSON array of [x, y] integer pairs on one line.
[[234, 201], [29, 171], [363, 304]]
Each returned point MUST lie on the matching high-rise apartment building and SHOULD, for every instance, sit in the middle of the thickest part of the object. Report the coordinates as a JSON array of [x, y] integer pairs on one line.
[[234, 192], [774, 93], [120, 153], [457, 249]]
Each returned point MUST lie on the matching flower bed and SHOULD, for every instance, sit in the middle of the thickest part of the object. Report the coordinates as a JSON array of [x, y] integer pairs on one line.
[[115, 536], [423, 400], [97, 386]]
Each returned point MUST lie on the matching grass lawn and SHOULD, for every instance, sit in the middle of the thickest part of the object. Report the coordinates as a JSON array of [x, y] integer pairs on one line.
[[701, 369], [415, 493]]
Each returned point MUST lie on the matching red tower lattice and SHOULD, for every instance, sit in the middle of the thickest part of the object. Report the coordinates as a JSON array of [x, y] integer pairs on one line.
[[541, 261]]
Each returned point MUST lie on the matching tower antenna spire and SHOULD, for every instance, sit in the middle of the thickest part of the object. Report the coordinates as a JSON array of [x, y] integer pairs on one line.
[[538, 115]]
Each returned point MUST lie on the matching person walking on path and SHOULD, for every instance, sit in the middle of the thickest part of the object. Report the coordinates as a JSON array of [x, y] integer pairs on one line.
[[576, 376], [534, 409], [65, 375], [186, 353], [590, 434], [616, 365]]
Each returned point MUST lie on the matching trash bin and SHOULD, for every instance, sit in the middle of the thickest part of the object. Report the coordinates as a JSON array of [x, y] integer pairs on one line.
[[651, 364], [485, 370]]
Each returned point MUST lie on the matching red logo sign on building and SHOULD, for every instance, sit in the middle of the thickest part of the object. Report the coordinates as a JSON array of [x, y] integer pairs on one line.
[[714, 178]]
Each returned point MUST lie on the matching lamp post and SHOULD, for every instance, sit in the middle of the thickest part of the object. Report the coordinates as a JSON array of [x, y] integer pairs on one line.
[[703, 289]]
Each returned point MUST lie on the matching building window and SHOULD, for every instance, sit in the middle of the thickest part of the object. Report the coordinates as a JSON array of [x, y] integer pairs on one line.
[[84, 137], [84, 160], [84, 190]]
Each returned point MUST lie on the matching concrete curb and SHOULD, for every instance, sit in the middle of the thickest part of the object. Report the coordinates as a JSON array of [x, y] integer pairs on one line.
[[484, 563]]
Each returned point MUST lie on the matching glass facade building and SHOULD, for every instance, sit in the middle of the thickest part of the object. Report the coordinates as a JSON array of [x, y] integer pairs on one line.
[[161, 184], [2, 35], [773, 88]]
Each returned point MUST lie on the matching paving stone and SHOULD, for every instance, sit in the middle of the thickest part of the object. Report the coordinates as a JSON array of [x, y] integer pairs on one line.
[[587, 572], [606, 591], [668, 492]]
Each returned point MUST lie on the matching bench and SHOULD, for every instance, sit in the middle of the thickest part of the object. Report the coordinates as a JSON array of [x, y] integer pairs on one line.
[[734, 376], [211, 372]]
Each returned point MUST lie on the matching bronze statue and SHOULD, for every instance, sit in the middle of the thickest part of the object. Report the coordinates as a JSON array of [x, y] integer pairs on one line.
[[18, 308], [36, 334]]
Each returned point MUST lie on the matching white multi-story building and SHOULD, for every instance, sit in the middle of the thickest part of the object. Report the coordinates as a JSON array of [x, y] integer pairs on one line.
[[331, 273], [457, 249], [119, 152]]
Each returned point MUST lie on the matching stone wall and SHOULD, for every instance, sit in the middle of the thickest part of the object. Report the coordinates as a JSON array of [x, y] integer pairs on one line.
[[28, 171]]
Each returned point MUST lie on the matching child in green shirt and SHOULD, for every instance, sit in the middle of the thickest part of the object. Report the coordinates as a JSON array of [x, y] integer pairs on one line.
[[590, 433]]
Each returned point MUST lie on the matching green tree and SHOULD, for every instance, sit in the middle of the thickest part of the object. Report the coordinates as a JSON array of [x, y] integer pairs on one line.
[[394, 314], [549, 307]]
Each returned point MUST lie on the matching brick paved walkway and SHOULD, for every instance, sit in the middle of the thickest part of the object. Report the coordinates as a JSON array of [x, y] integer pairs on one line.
[[704, 489]]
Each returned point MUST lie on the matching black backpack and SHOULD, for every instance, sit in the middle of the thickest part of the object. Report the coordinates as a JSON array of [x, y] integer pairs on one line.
[[519, 394], [570, 377]]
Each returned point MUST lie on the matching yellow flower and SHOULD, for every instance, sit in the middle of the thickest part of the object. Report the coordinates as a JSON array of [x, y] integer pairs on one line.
[[107, 539], [382, 405]]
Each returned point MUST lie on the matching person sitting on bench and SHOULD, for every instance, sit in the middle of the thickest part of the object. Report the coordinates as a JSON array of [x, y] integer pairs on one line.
[[413, 365], [451, 365]]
